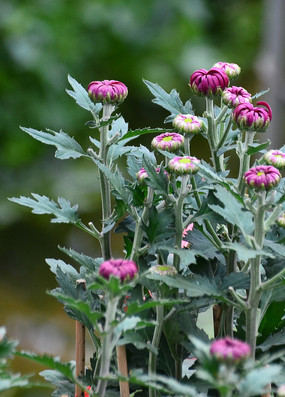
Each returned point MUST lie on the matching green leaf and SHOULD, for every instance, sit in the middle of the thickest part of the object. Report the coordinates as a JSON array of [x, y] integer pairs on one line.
[[80, 95], [233, 211], [256, 148], [277, 339], [259, 94], [244, 253], [62, 211], [129, 323], [256, 381], [275, 247], [137, 340], [66, 369], [67, 147], [136, 307], [86, 261], [170, 102], [65, 268], [132, 134]]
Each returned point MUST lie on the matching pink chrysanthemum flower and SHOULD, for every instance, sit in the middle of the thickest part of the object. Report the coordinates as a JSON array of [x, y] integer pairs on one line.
[[262, 177], [121, 268], [275, 158], [107, 91], [234, 96], [232, 70], [188, 123], [170, 141], [250, 118], [184, 165], [230, 350], [209, 82], [142, 174], [186, 244]]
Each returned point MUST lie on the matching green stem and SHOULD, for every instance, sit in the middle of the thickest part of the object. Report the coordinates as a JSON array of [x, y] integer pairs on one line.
[[155, 343], [105, 189], [212, 134], [140, 221], [106, 354], [244, 160], [255, 277]]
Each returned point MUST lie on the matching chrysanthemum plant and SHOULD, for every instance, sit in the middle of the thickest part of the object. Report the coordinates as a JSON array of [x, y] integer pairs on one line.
[[199, 239]]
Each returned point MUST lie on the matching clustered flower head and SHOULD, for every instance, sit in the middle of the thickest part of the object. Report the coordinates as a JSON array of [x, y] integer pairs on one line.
[[121, 268], [188, 123], [234, 96], [250, 118], [275, 158], [209, 82], [170, 141], [232, 70], [262, 177], [107, 91], [142, 174], [230, 350], [184, 165]]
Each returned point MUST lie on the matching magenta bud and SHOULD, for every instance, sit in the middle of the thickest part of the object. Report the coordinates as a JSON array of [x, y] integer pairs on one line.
[[209, 83], [120, 268], [169, 141], [188, 123], [232, 70], [250, 118], [234, 96], [262, 177], [184, 165], [230, 350], [107, 91]]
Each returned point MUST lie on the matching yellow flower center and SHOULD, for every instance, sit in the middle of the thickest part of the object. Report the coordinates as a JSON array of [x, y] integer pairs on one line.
[[189, 120], [167, 138], [185, 161], [260, 173]]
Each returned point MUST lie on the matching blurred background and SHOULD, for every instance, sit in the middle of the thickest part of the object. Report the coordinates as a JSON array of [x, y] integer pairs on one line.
[[41, 42]]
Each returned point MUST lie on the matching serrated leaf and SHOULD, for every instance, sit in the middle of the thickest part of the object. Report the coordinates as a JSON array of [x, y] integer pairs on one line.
[[67, 147], [65, 268], [259, 94], [62, 211], [80, 95], [129, 323], [136, 307], [66, 369], [244, 253], [137, 340], [132, 134], [170, 102], [277, 339], [256, 381], [86, 261], [255, 148]]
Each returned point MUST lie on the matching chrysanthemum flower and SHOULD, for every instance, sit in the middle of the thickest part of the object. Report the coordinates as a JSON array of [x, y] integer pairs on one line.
[[185, 244], [142, 174], [250, 118], [184, 165], [170, 141], [208, 82], [121, 268], [164, 270], [275, 158], [230, 350], [188, 123], [107, 91], [234, 96], [262, 177], [232, 70]]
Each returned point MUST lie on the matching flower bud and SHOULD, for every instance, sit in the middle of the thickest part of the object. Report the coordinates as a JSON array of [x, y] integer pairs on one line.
[[184, 243], [121, 268], [164, 270], [169, 141], [208, 83], [230, 350], [234, 96], [188, 123], [142, 174], [107, 91], [262, 177], [281, 220], [184, 165], [250, 118], [275, 158], [232, 70]]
